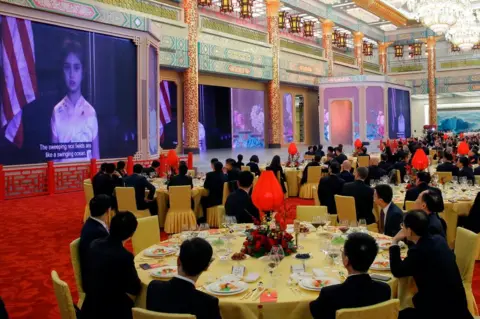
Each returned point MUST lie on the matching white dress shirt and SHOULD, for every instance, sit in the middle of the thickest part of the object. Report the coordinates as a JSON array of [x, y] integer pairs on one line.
[[185, 278], [101, 222], [385, 210]]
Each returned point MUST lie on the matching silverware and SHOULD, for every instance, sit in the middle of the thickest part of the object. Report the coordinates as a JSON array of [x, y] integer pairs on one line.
[[259, 293], [248, 294], [293, 290]]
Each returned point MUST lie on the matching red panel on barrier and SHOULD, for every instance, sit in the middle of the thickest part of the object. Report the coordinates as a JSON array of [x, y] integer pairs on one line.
[[25, 182], [70, 178]]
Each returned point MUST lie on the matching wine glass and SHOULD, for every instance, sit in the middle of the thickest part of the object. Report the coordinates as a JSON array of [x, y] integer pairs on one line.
[[362, 224], [406, 179], [435, 179], [334, 253], [204, 226], [344, 226]]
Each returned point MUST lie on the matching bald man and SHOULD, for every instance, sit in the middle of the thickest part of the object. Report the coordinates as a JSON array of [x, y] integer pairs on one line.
[[374, 171], [346, 174]]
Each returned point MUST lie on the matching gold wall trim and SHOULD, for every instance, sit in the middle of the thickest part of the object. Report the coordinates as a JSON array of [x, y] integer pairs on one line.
[[383, 11], [145, 6]]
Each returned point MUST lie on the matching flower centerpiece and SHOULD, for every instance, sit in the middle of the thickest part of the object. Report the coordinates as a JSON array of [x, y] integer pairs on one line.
[[293, 156]]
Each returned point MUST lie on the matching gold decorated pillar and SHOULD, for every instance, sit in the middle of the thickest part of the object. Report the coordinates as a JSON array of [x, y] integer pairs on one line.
[[358, 49], [383, 57], [432, 90], [273, 87], [190, 86], [327, 33]]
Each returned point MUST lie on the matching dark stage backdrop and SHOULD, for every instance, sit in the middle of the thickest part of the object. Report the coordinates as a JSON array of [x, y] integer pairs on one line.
[[398, 113]]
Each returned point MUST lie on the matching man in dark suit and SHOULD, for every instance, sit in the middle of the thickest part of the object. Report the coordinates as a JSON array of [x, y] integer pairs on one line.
[[95, 227], [384, 164], [140, 183], [432, 264], [401, 165], [182, 179], [427, 201], [214, 184], [319, 152], [476, 171], [363, 195], [339, 156], [239, 203], [345, 174], [179, 294], [464, 170], [315, 162], [330, 186], [359, 290], [253, 164], [423, 179], [113, 275], [447, 165], [391, 216], [106, 182], [374, 172], [152, 170], [232, 169]]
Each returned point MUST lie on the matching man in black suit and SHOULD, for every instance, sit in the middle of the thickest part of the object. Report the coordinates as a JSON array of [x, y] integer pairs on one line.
[[95, 227], [432, 264], [152, 170], [330, 186], [315, 162], [232, 169], [214, 184], [106, 182], [401, 165], [359, 290], [464, 170], [239, 203], [374, 172], [476, 171], [384, 164], [319, 152], [427, 201], [391, 216], [253, 164], [345, 174], [363, 195], [339, 156], [423, 179], [447, 165], [140, 183], [113, 275], [179, 294], [182, 179]]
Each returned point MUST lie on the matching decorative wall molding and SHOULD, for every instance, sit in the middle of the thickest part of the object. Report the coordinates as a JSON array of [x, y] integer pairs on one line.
[[173, 52], [302, 47], [343, 58], [306, 71], [229, 28], [154, 8], [407, 68], [371, 66]]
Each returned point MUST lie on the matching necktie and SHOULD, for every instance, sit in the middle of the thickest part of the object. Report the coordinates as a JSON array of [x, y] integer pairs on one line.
[[382, 222]]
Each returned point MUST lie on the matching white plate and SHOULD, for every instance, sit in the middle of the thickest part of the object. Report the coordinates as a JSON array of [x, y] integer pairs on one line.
[[308, 283], [214, 288], [384, 244], [380, 267], [159, 251], [157, 272]]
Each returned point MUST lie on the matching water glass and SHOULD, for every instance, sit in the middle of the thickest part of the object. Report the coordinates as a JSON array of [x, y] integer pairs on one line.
[[362, 224]]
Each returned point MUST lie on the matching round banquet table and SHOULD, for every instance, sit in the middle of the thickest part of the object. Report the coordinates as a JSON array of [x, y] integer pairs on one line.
[[290, 304]]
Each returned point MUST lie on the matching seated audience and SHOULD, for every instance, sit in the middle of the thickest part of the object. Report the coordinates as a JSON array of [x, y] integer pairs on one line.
[[433, 266], [319, 152], [363, 195], [476, 171], [401, 165], [359, 289], [212, 163], [152, 170], [239, 161], [179, 295], [472, 221], [464, 170], [315, 162], [427, 202], [391, 216], [276, 167], [339, 156], [120, 170], [103, 168], [182, 179], [331, 152], [473, 155], [214, 184], [345, 173], [330, 186], [384, 164], [140, 183], [239, 203], [113, 275], [105, 183], [422, 184], [232, 169], [253, 164], [375, 172], [310, 151], [447, 165]]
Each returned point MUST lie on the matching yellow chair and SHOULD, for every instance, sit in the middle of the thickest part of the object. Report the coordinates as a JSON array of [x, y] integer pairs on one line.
[[126, 201], [306, 213], [315, 196], [77, 270], [333, 219], [346, 209], [226, 192], [450, 216], [245, 168], [64, 297], [466, 250], [385, 310], [399, 177], [314, 175], [180, 212], [215, 215], [409, 205], [191, 173], [363, 161], [446, 176], [146, 235], [88, 192], [308, 157], [139, 313], [434, 162], [477, 179]]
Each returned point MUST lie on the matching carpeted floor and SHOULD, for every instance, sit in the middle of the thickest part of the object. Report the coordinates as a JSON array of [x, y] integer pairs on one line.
[[35, 234]]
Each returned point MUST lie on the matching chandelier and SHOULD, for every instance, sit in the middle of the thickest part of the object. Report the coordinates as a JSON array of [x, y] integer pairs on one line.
[[308, 28], [335, 37], [282, 19], [438, 15], [246, 8], [204, 3], [465, 33], [367, 48], [226, 6], [294, 24]]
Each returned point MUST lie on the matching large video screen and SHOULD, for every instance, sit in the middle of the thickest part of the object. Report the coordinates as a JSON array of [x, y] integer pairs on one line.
[[65, 95], [248, 118], [168, 115], [459, 121], [398, 113]]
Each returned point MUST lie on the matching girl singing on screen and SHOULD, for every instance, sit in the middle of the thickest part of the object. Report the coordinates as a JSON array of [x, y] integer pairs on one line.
[[74, 120]]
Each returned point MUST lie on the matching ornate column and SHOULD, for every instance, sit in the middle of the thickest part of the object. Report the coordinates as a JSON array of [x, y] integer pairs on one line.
[[327, 31], [358, 49], [273, 87], [190, 85], [383, 57], [432, 90]]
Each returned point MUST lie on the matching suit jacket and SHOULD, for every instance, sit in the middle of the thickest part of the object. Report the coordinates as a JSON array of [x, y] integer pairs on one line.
[[140, 183], [468, 173], [346, 176], [375, 173], [363, 195], [328, 187], [448, 167], [91, 230], [393, 220], [436, 225], [432, 264], [402, 167], [356, 291], [305, 172], [476, 171], [384, 165], [180, 296], [254, 168], [319, 153], [233, 174], [180, 180], [105, 184], [214, 184], [150, 170], [341, 158], [113, 277], [238, 204], [413, 193]]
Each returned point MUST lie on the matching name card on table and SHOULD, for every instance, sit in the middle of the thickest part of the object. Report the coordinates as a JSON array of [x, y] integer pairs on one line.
[[238, 271], [296, 269]]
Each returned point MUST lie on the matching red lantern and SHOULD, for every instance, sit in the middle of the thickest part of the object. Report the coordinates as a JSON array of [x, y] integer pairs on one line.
[[267, 194], [463, 148], [445, 136], [292, 149], [462, 135], [172, 158], [358, 143], [420, 160]]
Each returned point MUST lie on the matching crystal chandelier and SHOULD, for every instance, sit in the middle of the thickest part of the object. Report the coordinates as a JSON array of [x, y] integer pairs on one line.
[[438, 15], [465, 33]]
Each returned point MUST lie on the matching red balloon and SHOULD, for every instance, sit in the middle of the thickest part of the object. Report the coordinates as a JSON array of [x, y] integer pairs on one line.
[[420, 160], [172, 158], [292, 149], [463, 148], [267, 194], [358, 143], [445, 136]]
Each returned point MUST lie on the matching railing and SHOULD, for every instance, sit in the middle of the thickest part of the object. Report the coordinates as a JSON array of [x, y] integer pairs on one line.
[[56, 178]]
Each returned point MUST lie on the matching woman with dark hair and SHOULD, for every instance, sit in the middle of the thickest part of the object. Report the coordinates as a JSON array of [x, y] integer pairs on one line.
[[276, 168], [253, 164], [74, 120], [472, 221], [239, 161]]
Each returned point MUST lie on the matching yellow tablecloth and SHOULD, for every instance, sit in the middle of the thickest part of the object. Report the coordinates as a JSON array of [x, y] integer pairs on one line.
[[289, 305]]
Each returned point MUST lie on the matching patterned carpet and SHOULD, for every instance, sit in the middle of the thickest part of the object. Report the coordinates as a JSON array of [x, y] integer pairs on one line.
[[34, 239]]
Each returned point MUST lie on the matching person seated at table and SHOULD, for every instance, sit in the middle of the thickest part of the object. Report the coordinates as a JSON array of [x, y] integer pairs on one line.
[[476, 171], [331, 152], [95, 227], [363, 195], [359, 289], [120, 170], [345, 173], [339, 156], [464, 170], [422, 184], [182, 179], [315, 162], [319, 152], [239, 203], [214, 184], [253, 164], [433, 266], [3, 310], [212, 163], [152, 170], [103, 183], [276, 168], [374, 172], [384, 164], [310, 151], [401, 165], [427, 201], [179, 295], [329, 186], [473, 155], [447, 165], [103, 168], [140, 183], [113, 275], [232, 169], [239, 161], [391, 216], [472, 221]]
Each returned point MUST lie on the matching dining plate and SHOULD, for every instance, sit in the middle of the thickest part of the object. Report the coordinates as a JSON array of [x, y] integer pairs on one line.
[[227, 288], [381, 264], [164, 272], [316, 284], [159, 251], [384, 243]]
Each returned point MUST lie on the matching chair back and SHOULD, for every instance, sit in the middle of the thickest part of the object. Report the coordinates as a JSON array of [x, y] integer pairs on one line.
[[385, 310], [180, 197], [477, 179], [446, 176], [409, 205], [346, 209], [191, 173], [87, 181], [363, 161], [434, 162], [399, 176], [64, 297], [306, 213], [226, 192], [245, 168], [126, 199], [316, 199], [77, 270], [432, 152], [314, 174], [146, 235], [308, 157], [88, 191], [139, 313]]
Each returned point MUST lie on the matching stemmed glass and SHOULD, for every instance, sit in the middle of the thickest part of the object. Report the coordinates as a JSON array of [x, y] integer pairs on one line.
[[334, 253], [275, 256], [435, 179], [344, 226], [406, 179], [362, 224]]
